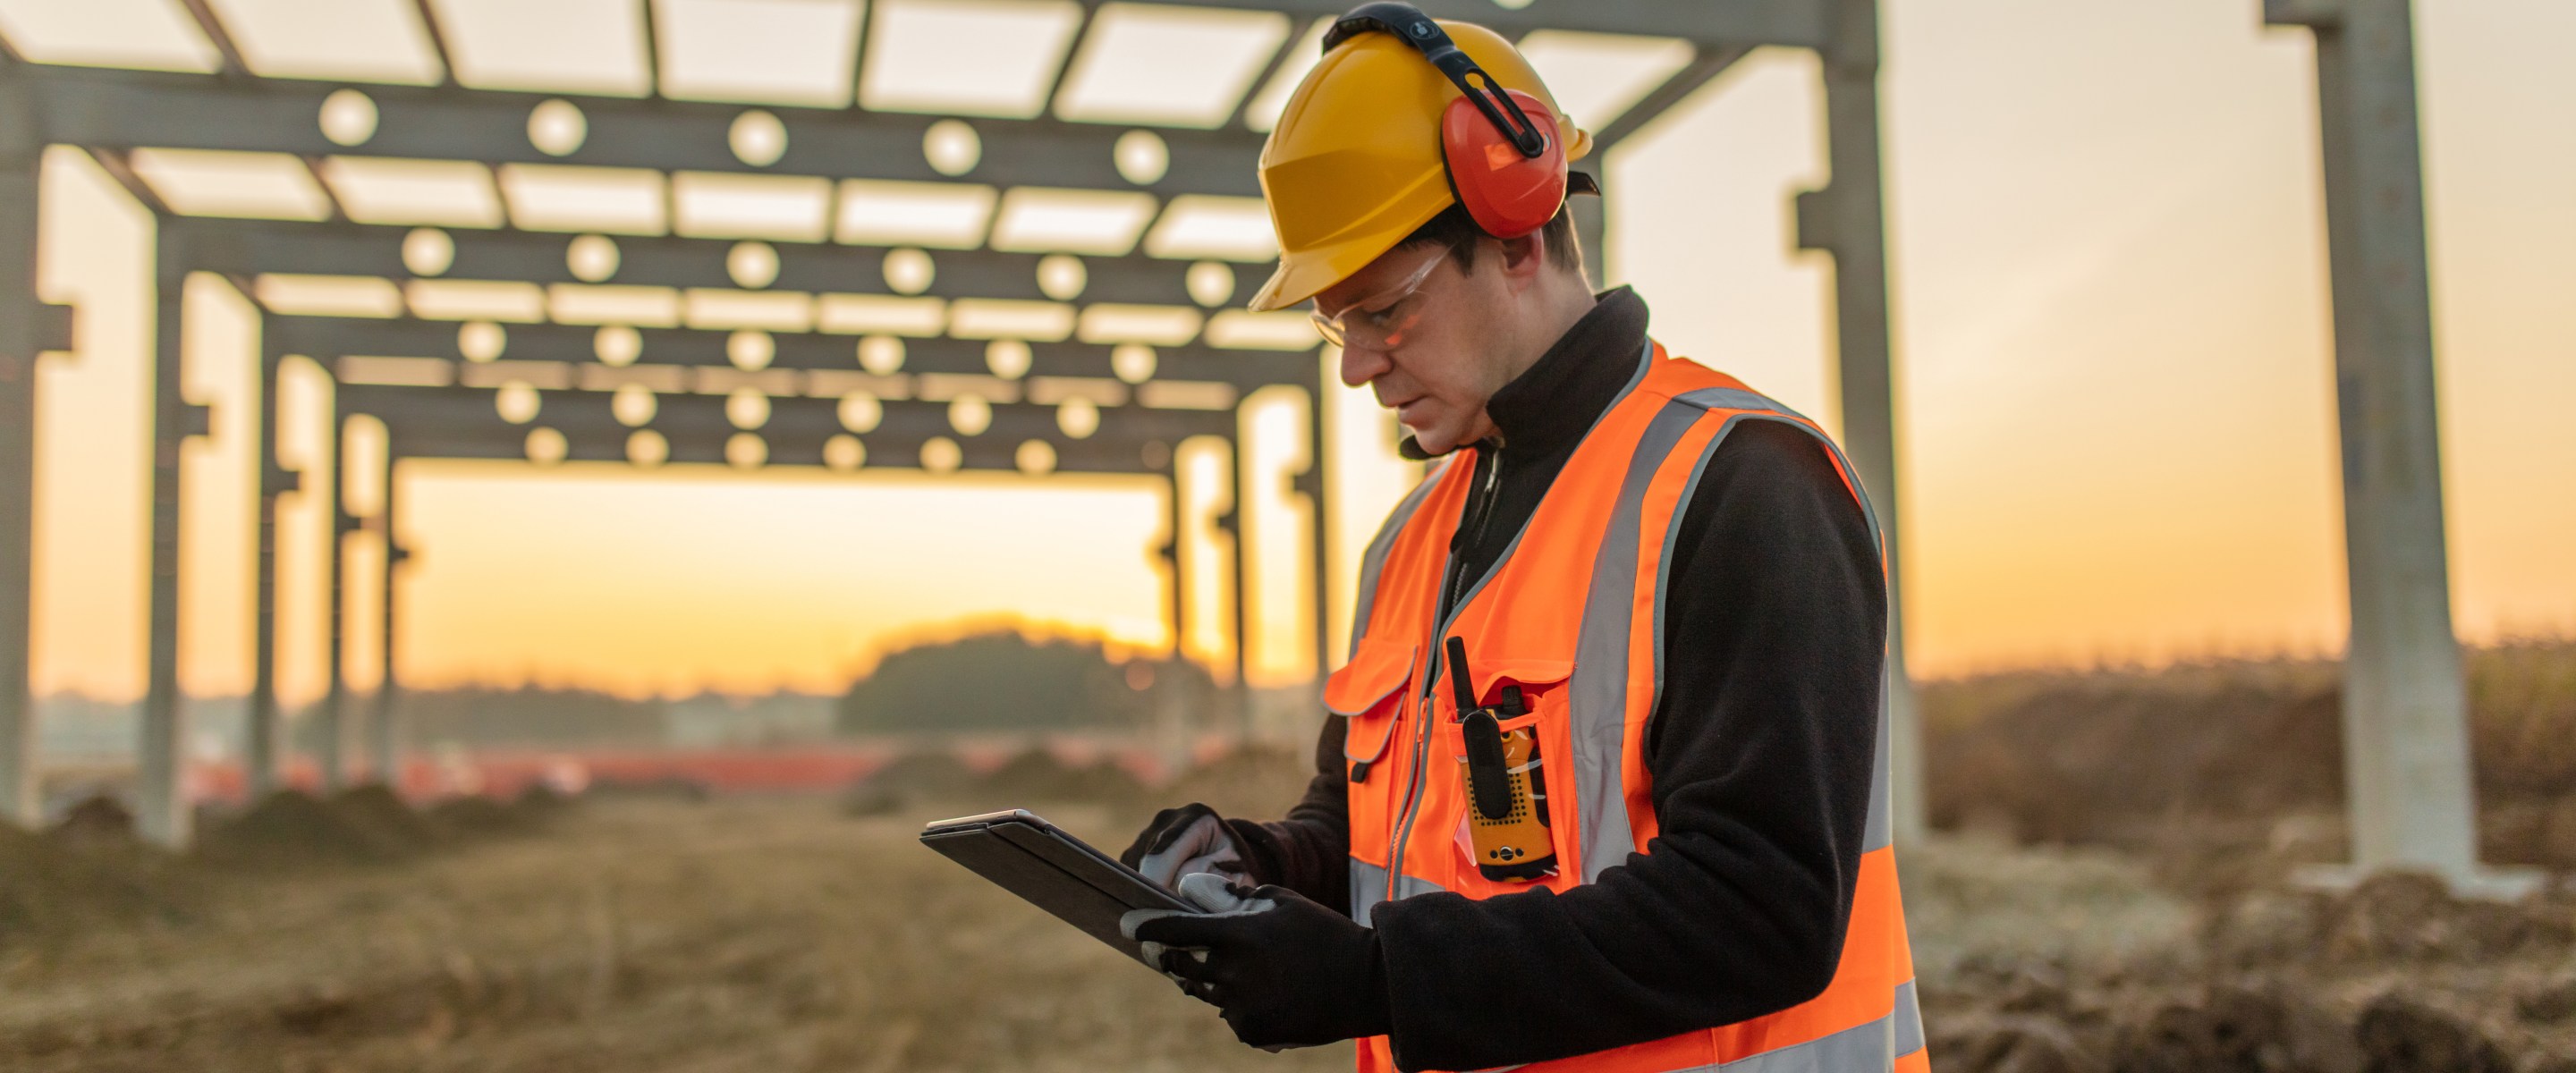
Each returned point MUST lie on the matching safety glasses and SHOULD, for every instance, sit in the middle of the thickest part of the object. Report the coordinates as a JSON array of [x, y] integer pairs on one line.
[[1379, 321]]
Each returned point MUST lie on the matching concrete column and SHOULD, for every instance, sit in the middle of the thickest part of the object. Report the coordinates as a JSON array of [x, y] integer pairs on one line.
[[1172, 711], [386, 736], [1231, 522], [1847, 220], [1310, 483], [330, 744], [24, 323], [161, 805], [260, 752], [2406, 743]]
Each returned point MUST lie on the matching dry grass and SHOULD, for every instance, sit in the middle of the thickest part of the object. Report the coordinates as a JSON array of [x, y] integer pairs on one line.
[[2235, 757], [640, 935]]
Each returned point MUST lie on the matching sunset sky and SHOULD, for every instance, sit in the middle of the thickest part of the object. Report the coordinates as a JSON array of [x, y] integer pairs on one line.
[[2111, 333]]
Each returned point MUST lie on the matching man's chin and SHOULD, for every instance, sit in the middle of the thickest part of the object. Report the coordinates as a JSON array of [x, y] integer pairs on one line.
[[1434, 441]]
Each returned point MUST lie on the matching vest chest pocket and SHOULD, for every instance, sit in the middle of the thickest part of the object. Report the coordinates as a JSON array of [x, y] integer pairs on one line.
[[1501, 755], [1367, 691]]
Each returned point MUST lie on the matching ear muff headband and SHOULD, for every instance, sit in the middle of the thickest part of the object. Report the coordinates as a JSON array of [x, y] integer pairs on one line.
[[1414, 28]]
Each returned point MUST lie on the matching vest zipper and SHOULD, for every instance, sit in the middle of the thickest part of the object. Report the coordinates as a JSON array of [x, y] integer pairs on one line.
[[1480, 507]]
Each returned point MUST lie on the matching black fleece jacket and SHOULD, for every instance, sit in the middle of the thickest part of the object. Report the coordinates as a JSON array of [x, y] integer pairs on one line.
[[1760, 747]]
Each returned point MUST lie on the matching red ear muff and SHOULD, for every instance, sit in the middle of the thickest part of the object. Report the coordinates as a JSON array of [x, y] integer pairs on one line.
[[1509, 195]]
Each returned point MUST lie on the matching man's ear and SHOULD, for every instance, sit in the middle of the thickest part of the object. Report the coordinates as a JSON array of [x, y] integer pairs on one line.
[[1523, 258]]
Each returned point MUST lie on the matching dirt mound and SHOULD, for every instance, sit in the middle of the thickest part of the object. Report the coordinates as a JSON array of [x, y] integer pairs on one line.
[[95, 820], [1255, 782], [1037, 775], [2391, 919], [52, 885], [2219, 768], [2402, 1035], [368, 825]]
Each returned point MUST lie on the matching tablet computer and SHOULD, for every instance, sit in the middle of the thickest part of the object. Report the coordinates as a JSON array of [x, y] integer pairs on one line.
[[1024, 854]]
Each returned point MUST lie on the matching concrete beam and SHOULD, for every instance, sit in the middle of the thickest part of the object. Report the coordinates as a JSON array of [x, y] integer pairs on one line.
[[1799, 23], [1846, 219], [1704, 68], [463, 423], [2406, 741], [251, 247], [332, 337], [132, 109]]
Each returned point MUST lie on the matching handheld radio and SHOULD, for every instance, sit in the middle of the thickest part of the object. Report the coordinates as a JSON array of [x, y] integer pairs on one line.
[[1507, 822]]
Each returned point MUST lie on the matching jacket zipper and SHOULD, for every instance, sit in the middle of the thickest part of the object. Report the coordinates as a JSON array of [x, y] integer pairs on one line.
[[1481, 509]]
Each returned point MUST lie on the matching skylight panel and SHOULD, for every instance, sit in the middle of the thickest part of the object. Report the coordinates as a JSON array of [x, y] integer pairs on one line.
[[1004, 318], [206, 182], [575, 46], [476, 299], [793, 208], [557, 197], [385, 190], [153, 34], [882, 212], [854, 314], [758, 51], [1243, 329], [351, 40], [1207, 225], [328, 296], [915, 62], [1262, 112], [1155, 325], [1040, 219], [1595, 77], [1180, 66]]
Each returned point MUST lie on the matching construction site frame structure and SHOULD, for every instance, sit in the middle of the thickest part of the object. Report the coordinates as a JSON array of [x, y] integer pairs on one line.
[[112, 111]]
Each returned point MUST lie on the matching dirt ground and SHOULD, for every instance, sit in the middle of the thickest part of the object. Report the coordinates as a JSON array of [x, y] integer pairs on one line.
[[634, 935], [648, 932]]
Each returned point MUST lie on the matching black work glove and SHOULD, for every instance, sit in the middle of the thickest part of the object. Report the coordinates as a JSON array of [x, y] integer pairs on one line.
[[1286, 971], [1180, 841]]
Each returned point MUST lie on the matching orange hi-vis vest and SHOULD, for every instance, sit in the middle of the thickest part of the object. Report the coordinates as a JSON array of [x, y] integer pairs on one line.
[[1598, 543]]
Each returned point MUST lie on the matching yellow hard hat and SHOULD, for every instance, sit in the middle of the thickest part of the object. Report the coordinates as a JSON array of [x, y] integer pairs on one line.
[[1355, 164]]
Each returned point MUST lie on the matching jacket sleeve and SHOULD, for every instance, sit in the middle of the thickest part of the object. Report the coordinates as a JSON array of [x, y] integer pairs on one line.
[[1761, 749], [1310, 851]]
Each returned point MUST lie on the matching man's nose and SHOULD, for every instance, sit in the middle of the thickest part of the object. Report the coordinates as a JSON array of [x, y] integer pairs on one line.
[[1361, 365]]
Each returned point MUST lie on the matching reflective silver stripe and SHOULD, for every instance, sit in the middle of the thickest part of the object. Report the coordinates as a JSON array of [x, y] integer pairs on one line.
[[1880, 830], [1374, 559], [1597, 697], [1880, 823], [1909, 1020], [1727, 398], [1368, 889], [1870, 1046], [1862, 1048]]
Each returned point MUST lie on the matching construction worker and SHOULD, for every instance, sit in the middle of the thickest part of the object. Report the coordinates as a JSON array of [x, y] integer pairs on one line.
[[1604, 783]]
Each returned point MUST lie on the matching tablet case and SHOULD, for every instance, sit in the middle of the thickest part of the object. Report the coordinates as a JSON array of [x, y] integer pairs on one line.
[[1024, 854]]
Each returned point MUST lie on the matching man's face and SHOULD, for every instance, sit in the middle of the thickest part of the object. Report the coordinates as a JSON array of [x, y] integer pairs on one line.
[[1427, 352]]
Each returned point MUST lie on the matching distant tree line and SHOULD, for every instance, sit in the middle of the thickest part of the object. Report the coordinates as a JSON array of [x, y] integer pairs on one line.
[[1003, 681]]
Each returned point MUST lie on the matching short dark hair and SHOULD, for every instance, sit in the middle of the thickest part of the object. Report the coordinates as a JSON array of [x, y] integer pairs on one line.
[[1456, 229]]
